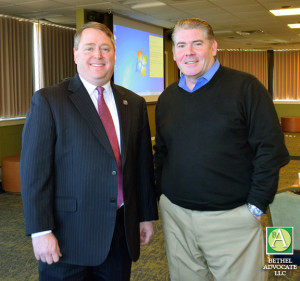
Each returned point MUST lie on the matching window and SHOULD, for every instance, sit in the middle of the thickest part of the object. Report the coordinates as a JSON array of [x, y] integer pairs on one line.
[[32, 55], [286, 75], [251, 61]]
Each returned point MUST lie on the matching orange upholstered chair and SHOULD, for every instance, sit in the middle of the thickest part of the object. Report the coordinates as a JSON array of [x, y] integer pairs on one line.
[[11, 174]]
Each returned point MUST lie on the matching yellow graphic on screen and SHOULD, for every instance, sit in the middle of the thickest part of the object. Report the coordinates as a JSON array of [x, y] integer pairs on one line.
[[141, 63]]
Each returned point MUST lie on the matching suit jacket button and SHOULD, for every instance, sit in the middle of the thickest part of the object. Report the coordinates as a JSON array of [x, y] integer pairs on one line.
[[113, 200], [114, 173]]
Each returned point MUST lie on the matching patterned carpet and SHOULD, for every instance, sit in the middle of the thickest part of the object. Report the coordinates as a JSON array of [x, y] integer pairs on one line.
[[17, 262]]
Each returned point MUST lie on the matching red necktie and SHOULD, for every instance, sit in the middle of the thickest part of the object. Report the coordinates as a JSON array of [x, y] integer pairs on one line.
[[110, 130]]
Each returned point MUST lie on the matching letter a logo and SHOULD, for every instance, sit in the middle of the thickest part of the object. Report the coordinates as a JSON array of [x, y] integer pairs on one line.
[[279, 240]]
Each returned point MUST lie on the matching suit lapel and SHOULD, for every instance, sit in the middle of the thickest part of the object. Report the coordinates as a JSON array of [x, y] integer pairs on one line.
[[82, 101], [124, 120]]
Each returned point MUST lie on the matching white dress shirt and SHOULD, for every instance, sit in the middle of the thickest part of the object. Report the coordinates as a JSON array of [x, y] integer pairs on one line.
[[109, 100]]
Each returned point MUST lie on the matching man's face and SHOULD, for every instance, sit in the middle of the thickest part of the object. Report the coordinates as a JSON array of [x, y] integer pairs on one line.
[[95, 57], [193, 53]]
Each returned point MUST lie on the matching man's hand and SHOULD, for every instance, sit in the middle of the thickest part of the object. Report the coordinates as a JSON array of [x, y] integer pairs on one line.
[[146, 232], [258, 218], [46, 248]]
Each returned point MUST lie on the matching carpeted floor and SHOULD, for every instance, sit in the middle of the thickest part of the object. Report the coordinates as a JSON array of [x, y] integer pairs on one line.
[[17, 262]]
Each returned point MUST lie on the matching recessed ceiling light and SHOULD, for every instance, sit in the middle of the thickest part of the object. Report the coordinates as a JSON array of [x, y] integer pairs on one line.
[[286, 12], [148, 5], [294, 25]]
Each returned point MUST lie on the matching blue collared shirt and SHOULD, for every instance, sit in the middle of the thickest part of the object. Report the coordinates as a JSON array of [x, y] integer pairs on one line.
[[201, 81]]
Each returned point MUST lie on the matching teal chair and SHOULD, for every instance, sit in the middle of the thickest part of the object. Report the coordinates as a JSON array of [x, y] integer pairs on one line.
[[285, 212]]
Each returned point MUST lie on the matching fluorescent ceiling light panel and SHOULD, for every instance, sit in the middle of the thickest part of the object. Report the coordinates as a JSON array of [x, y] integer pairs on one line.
[[286, 12], [294, 25], [148, 5]]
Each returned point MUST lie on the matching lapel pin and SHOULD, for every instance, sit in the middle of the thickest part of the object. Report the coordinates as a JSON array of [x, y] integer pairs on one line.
[[125, 102]]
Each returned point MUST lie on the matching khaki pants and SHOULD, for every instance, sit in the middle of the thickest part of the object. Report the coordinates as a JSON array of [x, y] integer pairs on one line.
[[225, 245]]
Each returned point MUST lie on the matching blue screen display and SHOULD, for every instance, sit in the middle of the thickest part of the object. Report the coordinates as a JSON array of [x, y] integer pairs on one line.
[[139, 61]]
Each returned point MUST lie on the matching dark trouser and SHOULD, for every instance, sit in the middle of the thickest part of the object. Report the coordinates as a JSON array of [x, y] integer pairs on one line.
[[116, 267]]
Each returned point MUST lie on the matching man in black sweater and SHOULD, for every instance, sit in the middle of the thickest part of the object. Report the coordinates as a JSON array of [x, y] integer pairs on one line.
[[218, 151]]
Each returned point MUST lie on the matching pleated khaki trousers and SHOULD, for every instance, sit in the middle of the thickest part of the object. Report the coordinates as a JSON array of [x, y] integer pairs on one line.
[[212, 245]]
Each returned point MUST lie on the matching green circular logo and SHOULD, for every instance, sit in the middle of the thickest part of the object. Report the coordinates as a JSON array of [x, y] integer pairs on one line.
[[279, 240]]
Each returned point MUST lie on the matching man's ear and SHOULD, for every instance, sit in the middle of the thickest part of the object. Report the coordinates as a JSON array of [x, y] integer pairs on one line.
[[75, 55], [214, 47], [173, 51]]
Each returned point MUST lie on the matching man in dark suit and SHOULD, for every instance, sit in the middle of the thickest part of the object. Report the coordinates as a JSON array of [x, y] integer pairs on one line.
[[72, 178]]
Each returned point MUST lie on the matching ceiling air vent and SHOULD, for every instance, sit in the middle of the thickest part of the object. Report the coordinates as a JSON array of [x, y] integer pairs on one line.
[[248, 32]]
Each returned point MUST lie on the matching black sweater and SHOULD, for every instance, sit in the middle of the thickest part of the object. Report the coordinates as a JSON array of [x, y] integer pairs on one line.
[[220, 146]]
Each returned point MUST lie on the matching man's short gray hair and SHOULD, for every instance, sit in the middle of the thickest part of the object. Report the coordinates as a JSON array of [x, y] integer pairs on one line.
[[194, 23]]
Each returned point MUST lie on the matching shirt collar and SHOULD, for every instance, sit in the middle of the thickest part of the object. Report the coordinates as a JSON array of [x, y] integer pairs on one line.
[[199, 83], [91, 88], [211, 72]]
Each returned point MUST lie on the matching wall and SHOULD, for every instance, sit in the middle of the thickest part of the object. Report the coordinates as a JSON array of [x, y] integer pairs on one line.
[[171, 69], [10, 140], [287, 109], [151, 117]]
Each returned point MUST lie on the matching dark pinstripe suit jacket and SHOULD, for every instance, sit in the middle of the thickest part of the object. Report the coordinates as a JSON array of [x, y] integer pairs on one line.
[[67, 179]]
